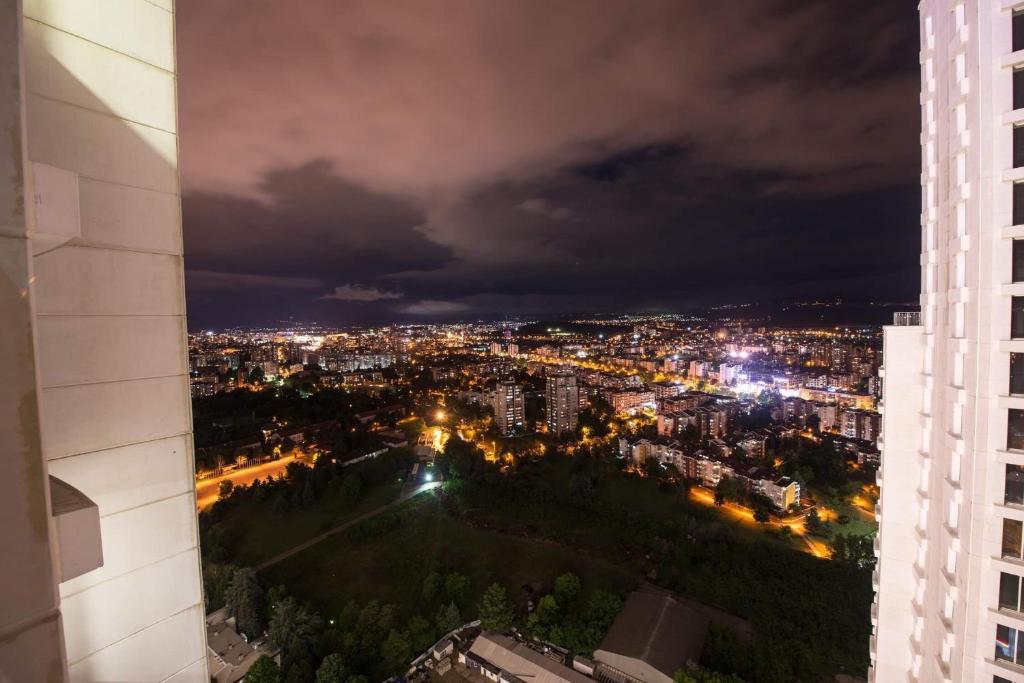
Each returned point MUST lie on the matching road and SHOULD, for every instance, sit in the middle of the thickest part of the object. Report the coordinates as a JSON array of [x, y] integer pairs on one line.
[[406, 495], [207, 490], [746, 516]]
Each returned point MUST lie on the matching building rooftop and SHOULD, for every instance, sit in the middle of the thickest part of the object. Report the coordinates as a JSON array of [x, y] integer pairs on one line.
[[659, 630], [522, 661]]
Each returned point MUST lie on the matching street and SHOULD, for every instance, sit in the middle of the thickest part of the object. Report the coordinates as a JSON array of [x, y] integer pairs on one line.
[[207, 490], [746, 516]]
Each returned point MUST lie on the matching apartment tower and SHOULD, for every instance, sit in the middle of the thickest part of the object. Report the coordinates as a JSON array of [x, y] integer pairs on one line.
[[948, 601], [509, 407], [562, 401], [100, 572]]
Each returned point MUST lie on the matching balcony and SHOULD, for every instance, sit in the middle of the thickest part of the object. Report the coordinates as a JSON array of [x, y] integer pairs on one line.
[[906, 318]]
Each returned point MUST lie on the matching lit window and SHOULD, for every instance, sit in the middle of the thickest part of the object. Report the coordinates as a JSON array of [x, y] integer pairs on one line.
[[1017, 373], [1013, 534], [1014, 491], [1015, 429], [1009, 647]]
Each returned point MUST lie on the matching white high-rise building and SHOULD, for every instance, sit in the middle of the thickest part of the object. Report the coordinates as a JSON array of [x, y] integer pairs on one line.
[[99, 576], [562, 402], [948, 582], [509, 407]]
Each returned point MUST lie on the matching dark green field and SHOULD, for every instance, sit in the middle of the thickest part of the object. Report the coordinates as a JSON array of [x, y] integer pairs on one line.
[[390, 567]]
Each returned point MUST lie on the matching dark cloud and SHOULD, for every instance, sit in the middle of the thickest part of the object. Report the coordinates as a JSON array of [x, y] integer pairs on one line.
[[496, 157]]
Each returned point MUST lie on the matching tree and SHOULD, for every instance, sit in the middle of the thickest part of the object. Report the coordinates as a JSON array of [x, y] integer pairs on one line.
[[256, 375], [351, 489], [396, 652], [294, 628], [244, 599], [308, 494], [543, 618], [431, 586], [448, 618], [421, 635], [812, 523], [225, 488], [331, 670], [567, 589], [457, 588], [762, 508], [495, 609], [287, 445], [263, 670], [696, 674]]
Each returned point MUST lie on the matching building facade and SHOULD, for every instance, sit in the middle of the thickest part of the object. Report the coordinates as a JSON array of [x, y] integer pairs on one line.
[[947, 604], [101, 574], [562, 402], [509, 407]]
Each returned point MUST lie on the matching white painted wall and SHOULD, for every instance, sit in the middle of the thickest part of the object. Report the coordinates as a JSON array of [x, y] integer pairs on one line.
[[110, 329]]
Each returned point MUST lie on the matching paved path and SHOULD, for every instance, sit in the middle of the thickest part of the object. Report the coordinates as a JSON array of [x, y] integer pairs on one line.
[[406, 495], [208, 490]]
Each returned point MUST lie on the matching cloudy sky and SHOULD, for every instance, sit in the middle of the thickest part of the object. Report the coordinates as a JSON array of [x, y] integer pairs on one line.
[[348, 161]]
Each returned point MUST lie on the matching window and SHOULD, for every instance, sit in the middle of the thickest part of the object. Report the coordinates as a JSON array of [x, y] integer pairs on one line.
[[1009, 647], [1015, 429], [1018, 261], [1018, 88], [1000, 679], [1013, 534], [1018, 203], [1018, 31], [1017, 317], [1009, 592], [1017, 373], [1014, 492]]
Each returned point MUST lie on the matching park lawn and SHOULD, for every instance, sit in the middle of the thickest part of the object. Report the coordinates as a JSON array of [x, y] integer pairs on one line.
[[861, 523], [256, 533], [391, 567], [616, 491]]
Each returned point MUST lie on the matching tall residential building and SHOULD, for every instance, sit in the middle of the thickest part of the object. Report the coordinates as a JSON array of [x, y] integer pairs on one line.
[[100, 572], [562, 400], [508, 405], [951, 513]]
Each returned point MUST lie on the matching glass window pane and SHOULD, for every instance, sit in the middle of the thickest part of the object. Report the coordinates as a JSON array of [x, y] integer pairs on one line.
[[1017, 317], [1014, 485], [1009, 591], [1006, 643], [1012, 531], [1018, 89], [1018, 203], [1018, 31], [1018, 260], [1017, 373], [1018, 146], [1015, 429]]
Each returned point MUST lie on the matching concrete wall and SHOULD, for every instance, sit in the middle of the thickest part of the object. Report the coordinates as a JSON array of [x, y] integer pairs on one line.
[[29, 617], [101, 137]]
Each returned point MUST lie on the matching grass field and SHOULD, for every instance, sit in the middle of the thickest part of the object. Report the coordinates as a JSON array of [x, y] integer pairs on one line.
[[255, 533], [391, 567]]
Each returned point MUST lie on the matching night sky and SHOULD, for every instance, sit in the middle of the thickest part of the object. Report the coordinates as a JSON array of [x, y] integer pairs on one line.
[[363, 162]]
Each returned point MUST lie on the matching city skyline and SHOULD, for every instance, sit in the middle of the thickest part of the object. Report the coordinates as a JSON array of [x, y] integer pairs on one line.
[[531, 161]]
